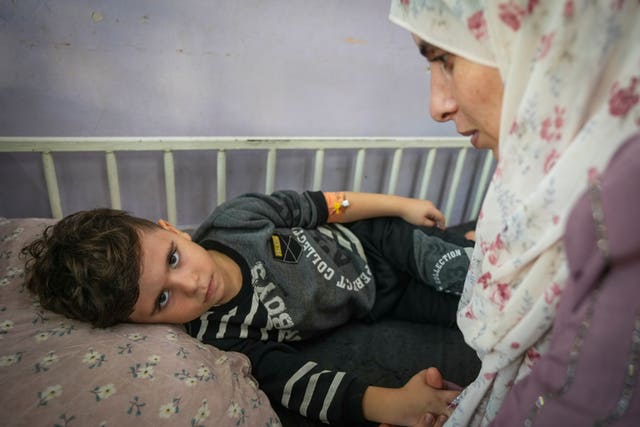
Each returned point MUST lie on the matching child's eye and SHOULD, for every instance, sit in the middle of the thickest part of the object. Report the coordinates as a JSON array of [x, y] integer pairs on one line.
[[163, 299], [173, 259]]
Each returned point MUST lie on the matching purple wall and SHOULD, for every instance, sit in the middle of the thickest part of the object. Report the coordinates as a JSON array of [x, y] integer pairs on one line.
[[202, 67]]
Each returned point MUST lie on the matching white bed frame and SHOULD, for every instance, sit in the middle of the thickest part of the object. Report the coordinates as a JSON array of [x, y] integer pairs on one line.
[[47, 146]]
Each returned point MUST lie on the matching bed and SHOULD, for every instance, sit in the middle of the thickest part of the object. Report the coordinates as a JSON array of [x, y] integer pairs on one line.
[[56, 371]]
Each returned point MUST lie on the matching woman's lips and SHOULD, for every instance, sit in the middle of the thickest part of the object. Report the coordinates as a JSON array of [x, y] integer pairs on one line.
[[474, 137]]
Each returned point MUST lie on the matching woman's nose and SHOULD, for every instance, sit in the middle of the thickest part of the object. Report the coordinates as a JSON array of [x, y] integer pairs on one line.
[[442, 104]]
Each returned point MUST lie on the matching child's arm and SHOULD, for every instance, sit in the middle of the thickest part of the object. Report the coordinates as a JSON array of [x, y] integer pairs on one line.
[[332, 396], [348, 206], [408, 404]]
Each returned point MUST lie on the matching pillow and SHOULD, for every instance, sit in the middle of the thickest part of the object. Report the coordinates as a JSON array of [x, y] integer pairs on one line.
[[57, 371]]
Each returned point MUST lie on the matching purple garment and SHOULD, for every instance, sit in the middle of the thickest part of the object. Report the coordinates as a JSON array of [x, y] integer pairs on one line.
[[598, 316]]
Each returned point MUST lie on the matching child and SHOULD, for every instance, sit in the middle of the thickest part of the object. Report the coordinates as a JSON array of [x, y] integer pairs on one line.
[[260, 271]]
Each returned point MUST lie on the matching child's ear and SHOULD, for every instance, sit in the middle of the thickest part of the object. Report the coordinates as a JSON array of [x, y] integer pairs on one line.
[[171, 228]]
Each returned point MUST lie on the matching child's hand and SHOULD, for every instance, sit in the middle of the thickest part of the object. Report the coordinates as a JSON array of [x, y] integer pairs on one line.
[[426, 389], [428, 420], [432, 378], [422, 212], [414, 404]]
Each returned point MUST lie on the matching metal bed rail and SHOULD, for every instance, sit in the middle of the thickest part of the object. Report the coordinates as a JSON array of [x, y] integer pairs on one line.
[[46, 146]]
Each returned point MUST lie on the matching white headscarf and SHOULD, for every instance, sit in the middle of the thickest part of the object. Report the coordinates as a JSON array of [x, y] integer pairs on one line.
[[571, 71]]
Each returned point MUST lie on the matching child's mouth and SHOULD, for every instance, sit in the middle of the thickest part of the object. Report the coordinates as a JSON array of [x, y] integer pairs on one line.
[[210, 288]]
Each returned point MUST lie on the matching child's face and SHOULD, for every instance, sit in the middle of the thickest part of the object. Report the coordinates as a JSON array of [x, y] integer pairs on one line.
[[179, 279]]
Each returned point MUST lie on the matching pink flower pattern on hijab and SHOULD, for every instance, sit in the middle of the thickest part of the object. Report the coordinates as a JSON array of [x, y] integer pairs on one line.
[[623, 100], [571, 73], [477, 25]]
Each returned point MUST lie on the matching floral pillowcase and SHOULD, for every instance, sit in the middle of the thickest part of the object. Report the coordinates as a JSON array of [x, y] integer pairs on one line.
[[57, 371]]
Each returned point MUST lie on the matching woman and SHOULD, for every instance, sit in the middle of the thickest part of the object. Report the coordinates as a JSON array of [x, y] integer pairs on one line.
[[551, 88]]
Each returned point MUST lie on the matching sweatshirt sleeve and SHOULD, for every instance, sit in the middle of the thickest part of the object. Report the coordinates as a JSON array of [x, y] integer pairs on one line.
[[256, 210], [300, 385]]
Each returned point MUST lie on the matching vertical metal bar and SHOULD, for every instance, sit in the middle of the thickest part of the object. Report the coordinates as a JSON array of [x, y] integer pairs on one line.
[[113, 179], [318, 167], [426, 175], [358, 172], [453, 188], [271, 171], [52, 184], [482, 185], [395, 171], [170, 187], [221, 171]]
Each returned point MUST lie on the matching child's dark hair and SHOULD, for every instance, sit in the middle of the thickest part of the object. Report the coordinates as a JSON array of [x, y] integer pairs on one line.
[[87, 265]]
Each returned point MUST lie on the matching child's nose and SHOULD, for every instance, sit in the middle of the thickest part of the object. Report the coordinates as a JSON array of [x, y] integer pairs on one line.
[[187, 283]]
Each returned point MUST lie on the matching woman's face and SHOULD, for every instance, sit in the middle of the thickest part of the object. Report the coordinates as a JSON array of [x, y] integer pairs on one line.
[[466, 92]]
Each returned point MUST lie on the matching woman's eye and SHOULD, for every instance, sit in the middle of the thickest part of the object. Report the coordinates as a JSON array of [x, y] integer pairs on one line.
[[446, 62], [173, 259], [163, 299]]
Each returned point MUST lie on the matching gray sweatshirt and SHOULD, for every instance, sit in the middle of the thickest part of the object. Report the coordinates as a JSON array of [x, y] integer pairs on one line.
[[301, 277]]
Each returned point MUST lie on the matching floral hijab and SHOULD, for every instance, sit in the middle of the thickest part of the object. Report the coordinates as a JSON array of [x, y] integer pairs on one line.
[[571, 71]]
